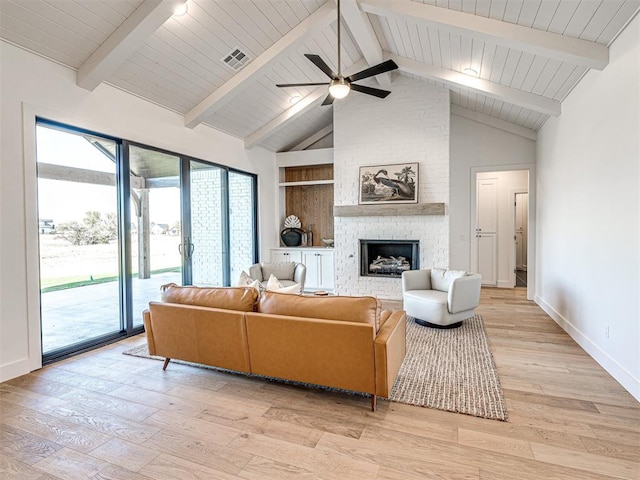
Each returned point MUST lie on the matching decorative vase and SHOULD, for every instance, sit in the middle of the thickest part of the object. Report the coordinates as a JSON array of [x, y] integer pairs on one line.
[[291, 237]]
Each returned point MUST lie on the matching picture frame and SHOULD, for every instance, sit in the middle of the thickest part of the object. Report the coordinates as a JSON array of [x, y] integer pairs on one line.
[[390, 183]]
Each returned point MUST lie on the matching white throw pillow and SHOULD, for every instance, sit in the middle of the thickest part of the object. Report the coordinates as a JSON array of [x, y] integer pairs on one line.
[[293, 289], [246, 281], [257, 285], [274, 285]]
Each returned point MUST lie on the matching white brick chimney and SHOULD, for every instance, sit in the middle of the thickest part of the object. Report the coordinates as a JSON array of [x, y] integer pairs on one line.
[[410, 125]]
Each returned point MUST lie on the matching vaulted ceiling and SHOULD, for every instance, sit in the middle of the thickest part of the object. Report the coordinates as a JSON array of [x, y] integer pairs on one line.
[[510, 60]]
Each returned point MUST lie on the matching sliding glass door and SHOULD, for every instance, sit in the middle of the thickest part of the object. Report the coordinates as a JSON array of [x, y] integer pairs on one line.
[[118, 220], [207, 241], [79, 251], [156, 225], [242, 223]]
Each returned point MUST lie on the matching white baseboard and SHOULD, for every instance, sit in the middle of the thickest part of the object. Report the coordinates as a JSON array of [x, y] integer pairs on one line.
[[617, 371], [14, 369], [505, 284]]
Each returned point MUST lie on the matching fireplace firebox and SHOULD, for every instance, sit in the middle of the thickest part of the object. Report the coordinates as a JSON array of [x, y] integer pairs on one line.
[[388, 258]]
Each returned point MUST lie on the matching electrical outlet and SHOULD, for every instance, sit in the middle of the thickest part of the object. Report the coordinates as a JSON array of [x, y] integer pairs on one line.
[[606, 331]]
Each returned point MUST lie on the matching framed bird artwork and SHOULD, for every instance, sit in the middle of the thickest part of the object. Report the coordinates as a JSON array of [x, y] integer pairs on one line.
[[389, 184]]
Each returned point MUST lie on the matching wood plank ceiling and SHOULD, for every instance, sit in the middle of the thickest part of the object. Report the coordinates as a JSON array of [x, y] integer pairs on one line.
[[527, 54]]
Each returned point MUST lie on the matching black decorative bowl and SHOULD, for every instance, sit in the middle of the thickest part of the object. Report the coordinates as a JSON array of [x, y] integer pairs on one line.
[[291, 237]]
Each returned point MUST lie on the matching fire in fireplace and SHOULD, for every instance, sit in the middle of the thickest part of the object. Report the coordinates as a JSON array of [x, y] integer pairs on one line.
[[388, 258]]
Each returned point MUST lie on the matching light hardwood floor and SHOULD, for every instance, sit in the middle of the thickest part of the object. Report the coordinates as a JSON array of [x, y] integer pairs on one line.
[[104, 415]]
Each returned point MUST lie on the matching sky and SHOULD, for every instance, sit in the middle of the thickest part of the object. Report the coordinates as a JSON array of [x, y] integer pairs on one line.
[[62, 201]]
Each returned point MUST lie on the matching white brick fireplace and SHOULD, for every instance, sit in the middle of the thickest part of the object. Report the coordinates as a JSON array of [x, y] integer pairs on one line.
[[410, 125]]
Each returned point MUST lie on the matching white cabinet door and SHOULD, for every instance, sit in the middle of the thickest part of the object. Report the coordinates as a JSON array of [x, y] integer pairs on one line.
[[325, 262], [310, 259], [286, 255], [319, 265]]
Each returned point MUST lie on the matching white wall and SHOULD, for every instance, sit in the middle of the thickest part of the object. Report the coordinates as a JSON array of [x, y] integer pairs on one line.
[[410, 125], [588, 213], [33, 85], [478, 147]]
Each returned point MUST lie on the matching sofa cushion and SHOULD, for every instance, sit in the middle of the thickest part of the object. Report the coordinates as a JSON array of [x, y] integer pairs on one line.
[[242, 299], [281, 270], [348, 309], [442, 278]]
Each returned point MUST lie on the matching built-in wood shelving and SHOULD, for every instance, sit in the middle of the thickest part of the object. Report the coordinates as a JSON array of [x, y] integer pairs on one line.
[[388, 210]]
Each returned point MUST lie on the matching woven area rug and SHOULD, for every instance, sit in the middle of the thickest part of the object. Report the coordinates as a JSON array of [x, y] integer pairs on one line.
[[449, 370]]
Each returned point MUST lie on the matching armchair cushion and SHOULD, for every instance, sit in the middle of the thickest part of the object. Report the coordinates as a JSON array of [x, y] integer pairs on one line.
[[442, 278], [281, 270]]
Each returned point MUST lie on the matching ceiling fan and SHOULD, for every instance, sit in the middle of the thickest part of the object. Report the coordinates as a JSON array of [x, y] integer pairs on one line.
[[340, 86]]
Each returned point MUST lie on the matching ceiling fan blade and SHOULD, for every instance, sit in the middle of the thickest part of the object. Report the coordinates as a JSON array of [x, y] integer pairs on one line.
[[318, 62], [328, 100], [284, 85], [375, 70], [376, 92]]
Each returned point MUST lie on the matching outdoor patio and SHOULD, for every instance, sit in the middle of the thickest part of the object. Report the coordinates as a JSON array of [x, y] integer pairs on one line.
[[76, 314]]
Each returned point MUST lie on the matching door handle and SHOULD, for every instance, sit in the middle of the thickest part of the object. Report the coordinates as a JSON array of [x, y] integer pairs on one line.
[[180, 248], [191, 248]]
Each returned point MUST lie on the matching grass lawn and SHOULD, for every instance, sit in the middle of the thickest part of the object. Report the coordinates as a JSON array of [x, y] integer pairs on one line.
[[63, 265]]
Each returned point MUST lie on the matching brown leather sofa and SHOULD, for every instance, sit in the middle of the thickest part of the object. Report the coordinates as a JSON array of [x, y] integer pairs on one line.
[[341, 342]]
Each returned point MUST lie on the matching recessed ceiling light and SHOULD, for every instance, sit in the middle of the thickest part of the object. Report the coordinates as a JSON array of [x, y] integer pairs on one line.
[[470, 71], [295, 99], [180, 10]]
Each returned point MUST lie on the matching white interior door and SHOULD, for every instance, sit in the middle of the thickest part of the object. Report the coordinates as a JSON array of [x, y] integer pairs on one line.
[[486, 230], [487, 261], [521, 207]]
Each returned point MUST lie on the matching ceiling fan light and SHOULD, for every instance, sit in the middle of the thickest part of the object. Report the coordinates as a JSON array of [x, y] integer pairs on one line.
[[339, 88]]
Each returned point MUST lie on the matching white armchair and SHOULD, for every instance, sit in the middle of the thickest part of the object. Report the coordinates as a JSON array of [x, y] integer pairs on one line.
[[440, 298], [288, 273]]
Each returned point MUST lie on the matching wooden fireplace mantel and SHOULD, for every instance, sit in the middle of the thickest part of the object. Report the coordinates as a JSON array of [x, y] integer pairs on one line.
[[388, 210]]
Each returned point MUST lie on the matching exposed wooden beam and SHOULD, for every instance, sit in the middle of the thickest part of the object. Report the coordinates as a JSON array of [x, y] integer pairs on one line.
[[532, 101], [51, 171], [319, 19], [539, 42], [362, 31], [126, 39], [293, 112], [286, 117], [320, 134]]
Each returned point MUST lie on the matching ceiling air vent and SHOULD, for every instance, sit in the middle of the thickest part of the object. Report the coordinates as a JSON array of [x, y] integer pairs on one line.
[[236, 59]]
